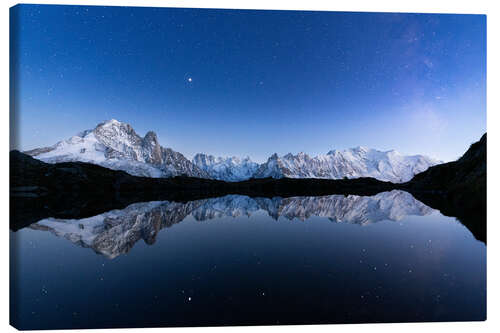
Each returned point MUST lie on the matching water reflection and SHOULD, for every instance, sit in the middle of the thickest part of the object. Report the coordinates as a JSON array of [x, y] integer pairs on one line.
[[115, 232]]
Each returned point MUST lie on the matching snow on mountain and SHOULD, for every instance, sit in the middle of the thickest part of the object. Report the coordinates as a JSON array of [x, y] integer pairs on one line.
[[117, 231], [351, 163], [117, 146], [229, 168]]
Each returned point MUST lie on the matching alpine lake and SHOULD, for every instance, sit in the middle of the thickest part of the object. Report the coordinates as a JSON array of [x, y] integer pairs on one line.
[[237, 260]]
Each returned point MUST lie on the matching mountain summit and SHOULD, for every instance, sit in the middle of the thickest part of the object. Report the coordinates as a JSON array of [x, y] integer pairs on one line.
[[351, 163], [117, 146], [226, 168]]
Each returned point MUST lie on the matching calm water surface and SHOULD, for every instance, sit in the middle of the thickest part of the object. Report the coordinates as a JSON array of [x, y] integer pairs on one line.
[[238, 260]]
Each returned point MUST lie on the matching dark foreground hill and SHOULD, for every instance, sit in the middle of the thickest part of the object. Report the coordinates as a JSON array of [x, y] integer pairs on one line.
[[465, 176], [457, 188]]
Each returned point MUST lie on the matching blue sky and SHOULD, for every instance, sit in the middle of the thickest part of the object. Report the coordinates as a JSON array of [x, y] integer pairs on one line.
[[239, 82]]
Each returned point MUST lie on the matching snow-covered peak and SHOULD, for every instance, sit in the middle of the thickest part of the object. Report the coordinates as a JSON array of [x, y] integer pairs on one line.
[[116, 145], [393, 152], [112, 122], [360, 149], [226, 168]]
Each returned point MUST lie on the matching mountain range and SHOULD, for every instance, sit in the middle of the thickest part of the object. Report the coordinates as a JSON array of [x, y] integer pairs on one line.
[[115, 145]]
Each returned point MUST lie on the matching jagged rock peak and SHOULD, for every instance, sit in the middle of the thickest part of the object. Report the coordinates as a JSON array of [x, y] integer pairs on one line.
[[116, 145]]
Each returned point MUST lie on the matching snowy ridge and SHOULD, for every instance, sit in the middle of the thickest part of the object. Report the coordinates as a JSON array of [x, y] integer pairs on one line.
[[351, 163], [116, 232], [117, 146], [229, 168]]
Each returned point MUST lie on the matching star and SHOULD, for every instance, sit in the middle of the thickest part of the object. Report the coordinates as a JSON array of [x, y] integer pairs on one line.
[[190, 79]]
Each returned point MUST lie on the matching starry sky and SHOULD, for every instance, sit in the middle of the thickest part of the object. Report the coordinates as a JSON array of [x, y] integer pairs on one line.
[[241, 82]]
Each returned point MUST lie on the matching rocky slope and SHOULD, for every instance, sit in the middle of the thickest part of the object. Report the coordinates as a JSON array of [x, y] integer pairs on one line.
[[457, 188], [466, 173]]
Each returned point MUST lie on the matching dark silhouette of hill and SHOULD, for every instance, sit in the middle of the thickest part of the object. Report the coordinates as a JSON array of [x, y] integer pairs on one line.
[[457, 188]]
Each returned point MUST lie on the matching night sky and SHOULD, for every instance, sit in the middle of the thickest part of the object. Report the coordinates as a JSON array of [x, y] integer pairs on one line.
[[239, 82]]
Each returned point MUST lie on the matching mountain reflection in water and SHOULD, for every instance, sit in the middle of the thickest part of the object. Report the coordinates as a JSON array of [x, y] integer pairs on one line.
[[116, 232]]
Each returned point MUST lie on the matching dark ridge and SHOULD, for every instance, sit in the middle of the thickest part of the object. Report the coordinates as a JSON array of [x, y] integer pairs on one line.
[[468, 173], [457, 188]]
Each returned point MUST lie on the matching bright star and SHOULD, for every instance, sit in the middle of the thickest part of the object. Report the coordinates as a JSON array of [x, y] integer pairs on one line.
[[190, 79]]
